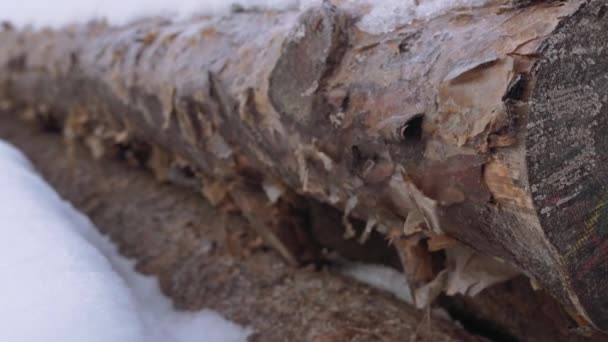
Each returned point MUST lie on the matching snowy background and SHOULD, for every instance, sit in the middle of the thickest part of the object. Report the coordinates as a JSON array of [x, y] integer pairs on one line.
[[382, 15], [62, 281]]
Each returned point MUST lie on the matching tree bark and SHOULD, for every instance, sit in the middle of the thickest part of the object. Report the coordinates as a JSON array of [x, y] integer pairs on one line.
[[201, 265], [481, 125]]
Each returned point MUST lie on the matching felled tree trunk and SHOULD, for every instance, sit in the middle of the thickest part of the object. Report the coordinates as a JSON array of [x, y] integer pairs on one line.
[[200, 265], [482, 126]]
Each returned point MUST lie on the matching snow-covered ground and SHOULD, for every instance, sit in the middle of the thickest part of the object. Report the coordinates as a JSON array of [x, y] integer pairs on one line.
[[382, 16], [61, 280]]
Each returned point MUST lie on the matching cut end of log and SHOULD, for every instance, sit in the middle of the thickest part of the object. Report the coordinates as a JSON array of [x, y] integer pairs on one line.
[[566, 145]]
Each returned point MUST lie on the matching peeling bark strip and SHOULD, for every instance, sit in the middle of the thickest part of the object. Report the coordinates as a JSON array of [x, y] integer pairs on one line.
[[484, 124]]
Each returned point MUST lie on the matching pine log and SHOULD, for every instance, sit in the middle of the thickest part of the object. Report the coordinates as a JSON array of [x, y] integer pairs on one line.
[[483, 125], [200, 265], [194, 250]]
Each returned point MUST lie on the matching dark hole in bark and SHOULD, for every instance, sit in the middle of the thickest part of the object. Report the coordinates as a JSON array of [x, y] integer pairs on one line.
[[345, 103], [49, 123], [516, 89], [403, 46], [412, 130], [187, 171], [357, 155]]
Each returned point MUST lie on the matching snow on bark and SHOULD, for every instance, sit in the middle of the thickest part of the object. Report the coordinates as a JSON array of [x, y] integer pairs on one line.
[[383, 16]]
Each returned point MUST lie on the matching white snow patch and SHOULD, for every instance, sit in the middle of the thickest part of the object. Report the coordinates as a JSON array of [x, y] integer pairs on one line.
[[386, 15], [61, 280], [378, 276], [383, 15], [62, 12]]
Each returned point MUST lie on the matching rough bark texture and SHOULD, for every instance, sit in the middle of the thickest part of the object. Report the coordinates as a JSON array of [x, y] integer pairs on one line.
[[454, 127], [207, 260]]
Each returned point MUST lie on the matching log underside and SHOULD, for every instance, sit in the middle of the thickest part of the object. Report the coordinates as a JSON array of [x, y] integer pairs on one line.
[[208, 259], [483, 127]]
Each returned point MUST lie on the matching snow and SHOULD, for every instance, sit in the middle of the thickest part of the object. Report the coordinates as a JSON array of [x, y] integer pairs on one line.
[[61, 12], [61, 280], [378, 276], [386, 15], [383, 16]]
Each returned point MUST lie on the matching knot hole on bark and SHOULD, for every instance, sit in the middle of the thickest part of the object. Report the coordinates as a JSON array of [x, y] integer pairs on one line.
[[411, 131]]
